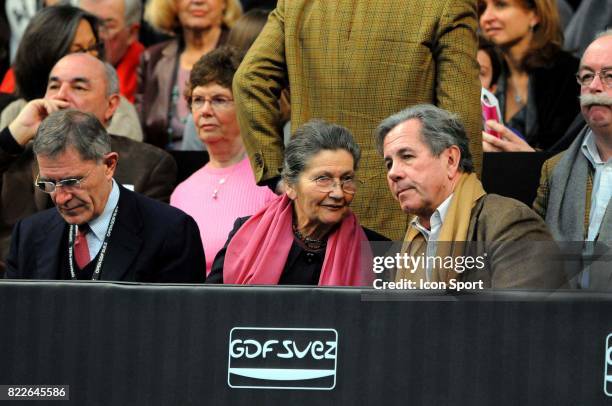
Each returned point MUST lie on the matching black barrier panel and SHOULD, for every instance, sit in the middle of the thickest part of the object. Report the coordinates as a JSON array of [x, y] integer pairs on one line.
[[513, 174], [127, 344]]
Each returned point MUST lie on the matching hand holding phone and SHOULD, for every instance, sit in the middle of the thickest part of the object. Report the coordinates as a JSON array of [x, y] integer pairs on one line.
[[490, 111]]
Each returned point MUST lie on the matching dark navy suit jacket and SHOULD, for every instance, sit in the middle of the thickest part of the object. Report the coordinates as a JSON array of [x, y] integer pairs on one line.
[[150, 242]]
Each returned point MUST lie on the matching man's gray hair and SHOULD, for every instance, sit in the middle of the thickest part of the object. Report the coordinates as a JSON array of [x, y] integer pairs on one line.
[[112, 80], [72, 128], [310, 139], [439, 131], [133, 12], [600, 34]]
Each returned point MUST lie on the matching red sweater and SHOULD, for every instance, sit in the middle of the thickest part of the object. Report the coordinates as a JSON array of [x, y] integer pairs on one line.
[[8, 84], [127, 70]]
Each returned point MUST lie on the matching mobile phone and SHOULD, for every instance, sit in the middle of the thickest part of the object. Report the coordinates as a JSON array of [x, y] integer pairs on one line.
[[490, 111]]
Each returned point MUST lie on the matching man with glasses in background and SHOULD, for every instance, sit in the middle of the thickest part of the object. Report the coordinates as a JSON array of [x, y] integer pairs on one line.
[[576, 185], [99, 230], [120, 24]]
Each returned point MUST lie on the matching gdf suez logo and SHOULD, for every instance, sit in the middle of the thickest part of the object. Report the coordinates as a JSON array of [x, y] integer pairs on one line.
[[608, 367], [282, 358]]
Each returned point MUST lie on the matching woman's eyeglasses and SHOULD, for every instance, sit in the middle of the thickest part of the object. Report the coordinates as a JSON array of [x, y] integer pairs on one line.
[[326, 184], [217, 103]]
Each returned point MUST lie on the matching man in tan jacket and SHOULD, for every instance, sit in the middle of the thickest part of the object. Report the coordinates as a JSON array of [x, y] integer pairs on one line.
[[461, 232], [355, 62]]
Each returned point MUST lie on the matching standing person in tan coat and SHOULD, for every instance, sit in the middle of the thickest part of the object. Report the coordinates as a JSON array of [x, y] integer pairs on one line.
[[354, 63]]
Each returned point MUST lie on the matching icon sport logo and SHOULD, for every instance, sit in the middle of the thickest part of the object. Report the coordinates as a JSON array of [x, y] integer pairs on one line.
[[607, 385], [282, 358]]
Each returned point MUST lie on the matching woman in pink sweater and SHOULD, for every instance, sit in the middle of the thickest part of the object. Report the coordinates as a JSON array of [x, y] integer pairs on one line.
[[224, 189]]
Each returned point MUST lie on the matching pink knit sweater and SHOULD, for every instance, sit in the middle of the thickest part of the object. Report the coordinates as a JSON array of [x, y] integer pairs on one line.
[[237, 195]]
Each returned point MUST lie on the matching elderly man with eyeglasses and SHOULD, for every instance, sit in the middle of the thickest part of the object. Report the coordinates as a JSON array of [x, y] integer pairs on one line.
[[576, 185], [82, 82], [99, 230]]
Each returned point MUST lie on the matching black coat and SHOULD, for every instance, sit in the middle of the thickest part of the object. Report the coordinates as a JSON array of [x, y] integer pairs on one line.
[[553, 98], [150, 242]]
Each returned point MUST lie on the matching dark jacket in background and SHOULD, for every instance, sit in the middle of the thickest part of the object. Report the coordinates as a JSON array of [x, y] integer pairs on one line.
[[156, 77], [553, 101], [591, 17]]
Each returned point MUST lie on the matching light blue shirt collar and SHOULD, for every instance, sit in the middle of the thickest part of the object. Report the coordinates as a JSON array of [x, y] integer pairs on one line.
[[589, 149], [431, 236], [602, 185], [436, 220], [99, 225]]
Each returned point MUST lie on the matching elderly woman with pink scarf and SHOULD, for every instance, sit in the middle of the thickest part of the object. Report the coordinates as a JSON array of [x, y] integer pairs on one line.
[[309, 235]]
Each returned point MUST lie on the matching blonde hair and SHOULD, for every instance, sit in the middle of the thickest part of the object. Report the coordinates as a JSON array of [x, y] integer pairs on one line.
[[163, 15]]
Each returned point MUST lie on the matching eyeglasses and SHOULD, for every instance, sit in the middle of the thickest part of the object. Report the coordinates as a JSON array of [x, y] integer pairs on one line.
[[51, 186], [586, 78], [109, 30], [326, 184], [217, 103]]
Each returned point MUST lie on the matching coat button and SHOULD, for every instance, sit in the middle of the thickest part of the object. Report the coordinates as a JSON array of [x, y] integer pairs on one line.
[[258, 159]]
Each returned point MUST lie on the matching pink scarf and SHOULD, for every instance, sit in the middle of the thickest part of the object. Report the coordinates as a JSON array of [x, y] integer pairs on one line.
[[257, 253]]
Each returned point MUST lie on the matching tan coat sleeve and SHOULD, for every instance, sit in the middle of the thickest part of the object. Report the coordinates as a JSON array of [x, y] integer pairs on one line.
[[457, 83], [541, 201], [520, 250], [257, 89]]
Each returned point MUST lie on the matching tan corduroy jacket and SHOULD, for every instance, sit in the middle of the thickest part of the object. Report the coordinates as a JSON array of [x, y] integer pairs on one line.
[[541, 201]]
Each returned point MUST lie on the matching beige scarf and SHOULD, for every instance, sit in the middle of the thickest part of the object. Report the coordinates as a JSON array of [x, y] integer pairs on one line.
[[451, 241]]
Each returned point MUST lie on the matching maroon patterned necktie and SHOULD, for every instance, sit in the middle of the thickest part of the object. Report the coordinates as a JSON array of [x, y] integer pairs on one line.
[[81, 249]]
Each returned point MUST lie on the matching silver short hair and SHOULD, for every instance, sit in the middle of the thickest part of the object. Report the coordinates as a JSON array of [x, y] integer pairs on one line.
[[112, 80], [133, 12], [311, 138], [439, 131], [72, 128]]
